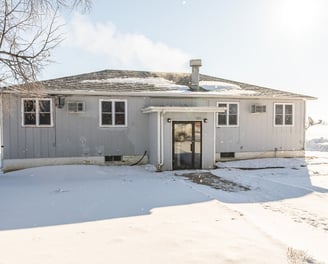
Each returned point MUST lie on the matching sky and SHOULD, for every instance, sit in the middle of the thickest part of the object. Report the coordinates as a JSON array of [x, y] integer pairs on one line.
[[280, 44]]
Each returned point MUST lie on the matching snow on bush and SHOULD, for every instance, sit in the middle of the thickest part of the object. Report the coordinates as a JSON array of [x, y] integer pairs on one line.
[[317, 138], [317, 144]]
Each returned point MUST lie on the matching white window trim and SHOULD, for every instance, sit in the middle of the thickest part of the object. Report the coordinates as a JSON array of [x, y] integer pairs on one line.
[[283, 113], [76, 102], [113, 105], [37, 112], [217, 116]]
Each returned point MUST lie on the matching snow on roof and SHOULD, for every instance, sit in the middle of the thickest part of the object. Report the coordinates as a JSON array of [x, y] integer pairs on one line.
[[156, 81], [224, 88], [214, 85]]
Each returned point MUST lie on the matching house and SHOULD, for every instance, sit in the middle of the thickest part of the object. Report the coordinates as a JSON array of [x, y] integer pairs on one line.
[[171, 120]]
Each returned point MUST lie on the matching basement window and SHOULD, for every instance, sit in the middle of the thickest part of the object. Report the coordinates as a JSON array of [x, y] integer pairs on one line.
[[113, 158], [227, 154]]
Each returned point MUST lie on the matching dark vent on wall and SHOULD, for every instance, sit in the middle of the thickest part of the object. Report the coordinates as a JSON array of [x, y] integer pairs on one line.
[[258, 108], [113, 158], [227, 154], [75, 107]]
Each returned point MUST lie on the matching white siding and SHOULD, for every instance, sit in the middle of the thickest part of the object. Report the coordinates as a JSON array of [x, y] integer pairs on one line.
[[256, 131]]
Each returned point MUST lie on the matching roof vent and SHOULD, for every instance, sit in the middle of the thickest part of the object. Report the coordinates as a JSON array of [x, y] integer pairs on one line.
[[195, 64]]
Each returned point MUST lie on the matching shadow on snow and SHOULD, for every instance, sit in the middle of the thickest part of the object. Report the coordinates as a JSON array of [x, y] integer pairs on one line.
[[58, 195]]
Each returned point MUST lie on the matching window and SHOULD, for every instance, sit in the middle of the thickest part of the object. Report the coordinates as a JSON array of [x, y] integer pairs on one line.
[[36, 112], [113, 113], [230, 116], [75, 107], [284, 114]]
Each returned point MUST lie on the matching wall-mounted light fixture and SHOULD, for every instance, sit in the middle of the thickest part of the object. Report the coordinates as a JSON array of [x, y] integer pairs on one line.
[[60, 101], [205, 120], [169, 120]]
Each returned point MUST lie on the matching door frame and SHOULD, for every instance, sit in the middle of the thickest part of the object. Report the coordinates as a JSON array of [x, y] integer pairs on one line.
[[193, 143]]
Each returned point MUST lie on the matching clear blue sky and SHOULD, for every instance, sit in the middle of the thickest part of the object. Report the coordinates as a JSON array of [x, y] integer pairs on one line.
[[282, 44]]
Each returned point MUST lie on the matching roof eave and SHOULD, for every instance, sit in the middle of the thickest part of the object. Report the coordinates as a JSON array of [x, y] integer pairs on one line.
[[176, 94]]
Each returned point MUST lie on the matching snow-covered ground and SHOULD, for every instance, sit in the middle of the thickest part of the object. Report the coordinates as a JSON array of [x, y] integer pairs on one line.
[[317, 138], [99, 214]]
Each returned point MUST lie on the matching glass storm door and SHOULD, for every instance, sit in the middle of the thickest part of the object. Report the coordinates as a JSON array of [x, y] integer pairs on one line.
[[187, 145]]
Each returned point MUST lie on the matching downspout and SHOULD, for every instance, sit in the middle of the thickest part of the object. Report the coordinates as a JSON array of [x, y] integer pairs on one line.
[[1, 132], [214, 131], [304, 126], [160, 141]]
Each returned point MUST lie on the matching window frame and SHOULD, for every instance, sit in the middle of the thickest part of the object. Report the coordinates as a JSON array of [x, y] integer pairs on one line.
[[227, 123], [37, 112], [284, 115], [113, 101]]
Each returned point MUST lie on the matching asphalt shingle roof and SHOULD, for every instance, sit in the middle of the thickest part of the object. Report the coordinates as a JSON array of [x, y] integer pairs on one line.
[[98, 82]]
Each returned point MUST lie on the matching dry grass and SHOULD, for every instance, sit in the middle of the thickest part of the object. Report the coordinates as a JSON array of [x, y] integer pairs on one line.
[[216, 182], [296, 256]]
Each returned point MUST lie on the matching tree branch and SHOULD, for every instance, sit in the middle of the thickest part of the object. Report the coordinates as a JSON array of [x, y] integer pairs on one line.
[[29, 32]]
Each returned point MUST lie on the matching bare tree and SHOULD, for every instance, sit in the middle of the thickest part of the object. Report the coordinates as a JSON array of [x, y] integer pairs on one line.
[[29, 31], [311, 122]]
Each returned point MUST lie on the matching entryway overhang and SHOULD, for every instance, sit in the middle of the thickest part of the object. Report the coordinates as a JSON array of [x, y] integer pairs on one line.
[[165, 121], [182, 109]]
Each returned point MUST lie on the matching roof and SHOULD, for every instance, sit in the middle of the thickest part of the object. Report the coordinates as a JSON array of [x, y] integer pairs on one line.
[[141, 83]]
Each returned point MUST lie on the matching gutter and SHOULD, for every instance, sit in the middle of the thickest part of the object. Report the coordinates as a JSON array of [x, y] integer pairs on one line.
[[169, 94]]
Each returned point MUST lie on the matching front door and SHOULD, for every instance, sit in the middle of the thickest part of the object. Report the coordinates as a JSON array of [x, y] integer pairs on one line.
[[187, 145]]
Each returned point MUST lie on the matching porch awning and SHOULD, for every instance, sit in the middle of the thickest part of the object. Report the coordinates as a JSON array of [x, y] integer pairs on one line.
[[183, 109]]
